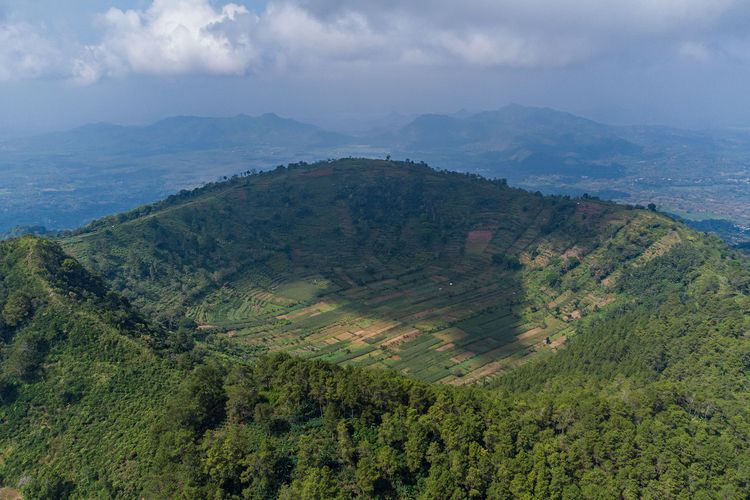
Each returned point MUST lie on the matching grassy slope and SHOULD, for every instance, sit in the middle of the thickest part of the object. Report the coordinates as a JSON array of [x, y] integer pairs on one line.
[[375, 263], [81, 383]]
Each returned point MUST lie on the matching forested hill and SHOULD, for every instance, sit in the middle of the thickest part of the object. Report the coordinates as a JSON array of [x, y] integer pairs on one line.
[[443, 276], [80, 378], [640, 386], [651, 399]]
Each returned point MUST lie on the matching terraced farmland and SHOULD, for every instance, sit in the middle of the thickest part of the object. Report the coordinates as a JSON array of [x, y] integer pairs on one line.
[[453, 325], [447, 277]]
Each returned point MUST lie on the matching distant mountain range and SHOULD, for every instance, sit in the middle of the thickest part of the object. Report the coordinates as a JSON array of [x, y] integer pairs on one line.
[[62, 180], [65, 179], [184, 133], [507, 128], [517, 141]]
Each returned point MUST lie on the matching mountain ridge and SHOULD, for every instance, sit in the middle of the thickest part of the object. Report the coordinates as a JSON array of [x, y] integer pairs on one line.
[[186, 133], [639, 384], [364, 261], [70, 351]]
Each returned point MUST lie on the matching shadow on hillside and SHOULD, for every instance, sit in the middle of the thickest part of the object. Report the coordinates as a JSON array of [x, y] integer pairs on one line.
[[437, 324]]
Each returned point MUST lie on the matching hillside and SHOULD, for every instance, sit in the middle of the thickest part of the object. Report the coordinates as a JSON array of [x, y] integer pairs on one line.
[[649, 401], [446, 277], [648, 397], [653, 401], [80, 379]]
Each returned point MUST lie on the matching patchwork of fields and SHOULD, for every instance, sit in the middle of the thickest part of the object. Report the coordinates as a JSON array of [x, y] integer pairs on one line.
[[460, 324], [447, 325]]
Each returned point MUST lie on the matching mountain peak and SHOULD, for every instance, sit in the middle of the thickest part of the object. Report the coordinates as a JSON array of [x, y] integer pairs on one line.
[[271, 116]]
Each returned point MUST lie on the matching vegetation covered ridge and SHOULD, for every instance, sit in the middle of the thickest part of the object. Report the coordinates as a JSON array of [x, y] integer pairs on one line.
[[650, 400], [81, 376], [443, 276]]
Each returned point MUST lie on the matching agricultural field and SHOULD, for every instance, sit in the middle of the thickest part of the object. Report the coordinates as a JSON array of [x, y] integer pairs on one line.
[[446, 277], [452, 325], [462, 324]]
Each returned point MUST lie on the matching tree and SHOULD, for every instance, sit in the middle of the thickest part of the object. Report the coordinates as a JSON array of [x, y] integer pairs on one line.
[[509, 262], [25, 356], [317, 484], [201, 404], [16, 309], [242, 396], [346, 446]]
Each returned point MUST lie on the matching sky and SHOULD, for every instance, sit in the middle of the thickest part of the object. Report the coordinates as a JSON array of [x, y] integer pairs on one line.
[[339, 63]]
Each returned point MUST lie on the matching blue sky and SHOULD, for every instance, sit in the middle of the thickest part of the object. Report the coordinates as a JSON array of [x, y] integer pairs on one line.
[[334, 62]]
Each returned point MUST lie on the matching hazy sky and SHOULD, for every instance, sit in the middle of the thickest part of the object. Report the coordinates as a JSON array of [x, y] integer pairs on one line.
[[677, 62]]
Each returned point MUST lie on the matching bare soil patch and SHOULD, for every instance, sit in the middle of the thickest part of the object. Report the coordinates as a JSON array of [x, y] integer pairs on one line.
[[10, 494], [400, 339], [319, 172], [460, 358], [445, 347]]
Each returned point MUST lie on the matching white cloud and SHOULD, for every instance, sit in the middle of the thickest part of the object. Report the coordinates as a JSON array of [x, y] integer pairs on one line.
[[294, 34], [176, 37], [172, 37], [24, 53], [306, 33], [695, 50], [506, 48]]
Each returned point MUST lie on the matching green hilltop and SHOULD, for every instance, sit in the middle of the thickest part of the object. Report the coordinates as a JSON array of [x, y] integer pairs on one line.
[[447, 277], [602, 350]]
